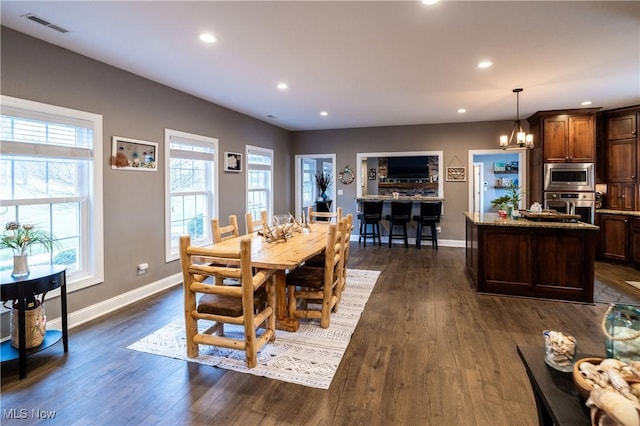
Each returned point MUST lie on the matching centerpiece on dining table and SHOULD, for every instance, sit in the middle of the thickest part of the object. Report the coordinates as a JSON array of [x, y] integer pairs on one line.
[[284, 226]]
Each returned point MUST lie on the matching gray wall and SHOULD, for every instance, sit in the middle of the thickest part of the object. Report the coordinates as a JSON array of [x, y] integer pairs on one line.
[[137, 108], [455, 140]]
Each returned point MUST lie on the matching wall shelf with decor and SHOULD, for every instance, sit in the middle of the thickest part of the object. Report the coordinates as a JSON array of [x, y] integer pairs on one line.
[[510, 167]]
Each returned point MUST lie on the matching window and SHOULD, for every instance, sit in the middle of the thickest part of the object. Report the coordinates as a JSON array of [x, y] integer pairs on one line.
[[51, 177], [308, 181], [259, 181], [192, 187]]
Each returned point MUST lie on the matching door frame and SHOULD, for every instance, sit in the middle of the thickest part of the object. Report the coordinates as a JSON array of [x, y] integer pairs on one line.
[[298, 180], [522, 169]]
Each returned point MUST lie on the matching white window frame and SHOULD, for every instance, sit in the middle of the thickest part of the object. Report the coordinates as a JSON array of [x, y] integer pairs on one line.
[[91, 227], [172, 254], [312, 181], [250, 167]]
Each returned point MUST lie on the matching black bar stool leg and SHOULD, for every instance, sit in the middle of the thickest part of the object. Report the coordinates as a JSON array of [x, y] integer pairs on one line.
[[406, 237], [434, 236]]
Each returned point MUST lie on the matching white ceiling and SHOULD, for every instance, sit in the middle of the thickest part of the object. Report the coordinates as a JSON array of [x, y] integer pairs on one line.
[[368, 63]]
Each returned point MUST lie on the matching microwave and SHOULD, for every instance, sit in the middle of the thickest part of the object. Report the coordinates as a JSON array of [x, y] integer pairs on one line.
[[569, 177]]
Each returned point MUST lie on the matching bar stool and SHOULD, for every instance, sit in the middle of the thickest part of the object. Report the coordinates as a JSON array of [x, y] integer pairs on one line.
[[400, 216], [370, 216], [429, 215]]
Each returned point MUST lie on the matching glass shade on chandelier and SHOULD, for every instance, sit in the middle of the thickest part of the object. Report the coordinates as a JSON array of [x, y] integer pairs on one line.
[[522, 139]]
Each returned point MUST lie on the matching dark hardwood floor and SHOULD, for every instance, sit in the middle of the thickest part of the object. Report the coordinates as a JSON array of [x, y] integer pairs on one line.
[[428, 350]]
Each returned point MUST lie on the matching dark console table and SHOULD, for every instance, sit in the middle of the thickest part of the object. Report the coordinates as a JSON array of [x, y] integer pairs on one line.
[[556, 396], [41, 279]]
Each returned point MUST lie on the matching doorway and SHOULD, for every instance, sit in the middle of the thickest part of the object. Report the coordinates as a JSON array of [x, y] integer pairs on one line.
[[499, 169], [307, 192]]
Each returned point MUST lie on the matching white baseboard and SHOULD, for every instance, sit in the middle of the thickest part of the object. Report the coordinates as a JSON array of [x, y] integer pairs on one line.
[[92, 312]]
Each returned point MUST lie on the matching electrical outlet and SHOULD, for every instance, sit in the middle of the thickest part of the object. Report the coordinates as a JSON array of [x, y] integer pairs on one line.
[[438, 229], [142, 268]]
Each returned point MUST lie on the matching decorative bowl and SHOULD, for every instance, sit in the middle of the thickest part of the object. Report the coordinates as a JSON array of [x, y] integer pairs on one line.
[[583, 386]]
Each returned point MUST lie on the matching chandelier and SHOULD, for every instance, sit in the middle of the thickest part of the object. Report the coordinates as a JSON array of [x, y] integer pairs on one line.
[[523, 140]]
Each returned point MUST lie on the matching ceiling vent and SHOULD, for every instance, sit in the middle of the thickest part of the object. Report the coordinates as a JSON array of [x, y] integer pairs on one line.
[[44, 22]]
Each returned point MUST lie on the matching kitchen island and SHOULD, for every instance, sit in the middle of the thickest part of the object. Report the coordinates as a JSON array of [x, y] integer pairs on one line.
[[551, 260]]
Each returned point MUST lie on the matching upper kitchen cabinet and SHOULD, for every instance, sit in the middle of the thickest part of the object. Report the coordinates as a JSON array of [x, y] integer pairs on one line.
[[560, 136], [565, 136], [622, 125], [623, 158], [622, 145]]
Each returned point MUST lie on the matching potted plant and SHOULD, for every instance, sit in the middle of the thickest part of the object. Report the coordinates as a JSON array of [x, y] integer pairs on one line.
[[508, 202], [323, 180], [20, 238]]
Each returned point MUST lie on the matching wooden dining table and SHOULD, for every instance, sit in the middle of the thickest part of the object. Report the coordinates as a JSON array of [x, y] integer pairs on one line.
[[282, 256]]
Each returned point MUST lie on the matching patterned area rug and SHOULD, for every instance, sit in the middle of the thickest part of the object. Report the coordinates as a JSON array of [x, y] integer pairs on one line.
[[308, 357], [635, 284]]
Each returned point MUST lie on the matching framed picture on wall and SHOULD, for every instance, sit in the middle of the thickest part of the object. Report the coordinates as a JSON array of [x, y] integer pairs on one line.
[[134, 154], [372, 174], [456, 174], [232, 162]]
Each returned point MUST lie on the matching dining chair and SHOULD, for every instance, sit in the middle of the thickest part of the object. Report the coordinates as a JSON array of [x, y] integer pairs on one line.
[[221, 233], [254, 225], [370, 221], [312, 290], [430, 212], [400, 216], [348, 227], [251, 305], [315, 216]]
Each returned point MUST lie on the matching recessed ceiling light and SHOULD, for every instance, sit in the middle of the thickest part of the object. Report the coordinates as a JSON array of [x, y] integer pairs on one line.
[[429, 2], [485, 64], [462, 111], [282, 86], [324, 113], [207, 38], [585, 103]]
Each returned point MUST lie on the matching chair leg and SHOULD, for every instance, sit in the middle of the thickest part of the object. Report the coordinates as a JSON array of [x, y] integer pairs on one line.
[[390, 234], [419, 235], [434, 236], [406, 237], [377, 232]]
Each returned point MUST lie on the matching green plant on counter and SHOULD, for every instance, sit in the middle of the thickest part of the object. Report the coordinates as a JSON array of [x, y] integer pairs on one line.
[[511, 198]]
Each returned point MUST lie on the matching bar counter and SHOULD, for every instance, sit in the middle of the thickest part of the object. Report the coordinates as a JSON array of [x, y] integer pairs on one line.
[[550, 260], [416, 198]]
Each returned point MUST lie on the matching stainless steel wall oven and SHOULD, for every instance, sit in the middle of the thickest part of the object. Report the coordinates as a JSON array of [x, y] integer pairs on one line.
[[579, 203]]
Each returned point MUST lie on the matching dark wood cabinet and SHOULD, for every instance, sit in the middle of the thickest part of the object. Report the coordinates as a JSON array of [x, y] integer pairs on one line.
[[541, 260], [622, 196], [569, 139], [622, 162], [634, 241], [622, 126], [622, 159], [614, 236]]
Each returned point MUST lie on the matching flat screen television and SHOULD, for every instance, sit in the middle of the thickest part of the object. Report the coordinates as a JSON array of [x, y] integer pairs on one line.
[[408, 167]]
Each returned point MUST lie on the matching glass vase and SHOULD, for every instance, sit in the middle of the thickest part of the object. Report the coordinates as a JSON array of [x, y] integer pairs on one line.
[[20, 266]]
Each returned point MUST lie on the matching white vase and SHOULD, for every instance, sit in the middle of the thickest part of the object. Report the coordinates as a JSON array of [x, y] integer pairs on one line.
[[20, 266]]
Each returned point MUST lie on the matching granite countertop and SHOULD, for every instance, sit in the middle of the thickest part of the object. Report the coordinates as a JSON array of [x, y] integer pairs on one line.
[[494, 220], [619, 212], [400, 198]]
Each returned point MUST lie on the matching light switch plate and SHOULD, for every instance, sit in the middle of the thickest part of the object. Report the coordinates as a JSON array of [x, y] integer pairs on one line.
[[340, 192]]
